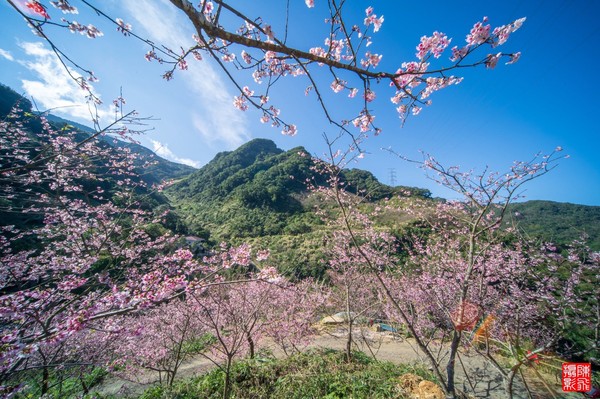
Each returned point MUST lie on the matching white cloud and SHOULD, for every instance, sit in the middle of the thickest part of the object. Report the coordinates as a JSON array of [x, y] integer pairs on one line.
[[55, 90], [217, 122], [162, 150], [6, 54]]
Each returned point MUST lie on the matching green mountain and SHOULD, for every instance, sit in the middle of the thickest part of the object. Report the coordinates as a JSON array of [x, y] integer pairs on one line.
[[557, 222], [258, 194], [260, 190], [161, 169]]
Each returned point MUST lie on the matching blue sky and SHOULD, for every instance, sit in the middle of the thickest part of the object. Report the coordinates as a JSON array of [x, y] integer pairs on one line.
[[548, 99]]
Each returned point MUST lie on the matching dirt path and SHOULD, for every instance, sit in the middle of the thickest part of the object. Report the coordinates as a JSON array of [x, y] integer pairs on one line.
[[479, 377]]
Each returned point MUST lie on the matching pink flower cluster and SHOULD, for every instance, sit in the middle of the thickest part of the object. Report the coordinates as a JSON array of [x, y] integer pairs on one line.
[[371, 60], [371, 19], [435, 44]]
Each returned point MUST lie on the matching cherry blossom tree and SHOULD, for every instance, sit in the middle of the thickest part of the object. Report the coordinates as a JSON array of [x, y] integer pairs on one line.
[[292, 313], [52, 368], [465, 270], [517, 305], [159, 340], [86, 255], [234, 315], [89, 256], [354, 288], [237, 40]]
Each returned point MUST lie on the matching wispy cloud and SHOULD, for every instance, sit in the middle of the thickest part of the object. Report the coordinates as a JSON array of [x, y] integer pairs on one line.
[[6, 54], [162, 150], [55, 90], [215, 119]]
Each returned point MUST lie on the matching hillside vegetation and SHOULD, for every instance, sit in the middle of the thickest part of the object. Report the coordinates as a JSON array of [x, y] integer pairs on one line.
[[150, 168], [557, 222], [258, 194]]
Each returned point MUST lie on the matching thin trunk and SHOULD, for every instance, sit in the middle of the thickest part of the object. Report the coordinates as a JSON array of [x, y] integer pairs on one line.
[[508, 383], [250, 344], [450, 367], [45, 381], [388, 294], [349, 341], [84, 386], [413, 331], [227, 386]]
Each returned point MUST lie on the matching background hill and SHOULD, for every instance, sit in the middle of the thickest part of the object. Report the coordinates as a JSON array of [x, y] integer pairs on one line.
[[260, 190], [257, 194], [161, 170], [558, 222], [11, 207]]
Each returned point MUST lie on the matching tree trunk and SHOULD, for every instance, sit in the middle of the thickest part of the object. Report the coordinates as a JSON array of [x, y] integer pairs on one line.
[[227, 385], [45, 381], [451, 363], [250, 345], [350, 320], [84, 386]]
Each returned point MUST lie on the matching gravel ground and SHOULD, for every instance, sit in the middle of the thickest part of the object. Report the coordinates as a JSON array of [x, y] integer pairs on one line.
[[480, 380]]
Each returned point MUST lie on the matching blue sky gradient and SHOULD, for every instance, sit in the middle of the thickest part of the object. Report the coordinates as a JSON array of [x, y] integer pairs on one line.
[[548, 99]]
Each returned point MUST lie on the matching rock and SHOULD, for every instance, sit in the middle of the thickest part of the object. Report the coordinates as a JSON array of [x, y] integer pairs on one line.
[[430, 390], [418, 388], [409, 383]]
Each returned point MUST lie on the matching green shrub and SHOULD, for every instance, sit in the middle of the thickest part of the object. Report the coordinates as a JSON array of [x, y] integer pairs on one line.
[[313, 374]]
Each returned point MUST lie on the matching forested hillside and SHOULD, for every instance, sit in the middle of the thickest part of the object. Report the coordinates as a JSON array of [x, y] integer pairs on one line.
[[260, 190], [558, 222], [150, 169]]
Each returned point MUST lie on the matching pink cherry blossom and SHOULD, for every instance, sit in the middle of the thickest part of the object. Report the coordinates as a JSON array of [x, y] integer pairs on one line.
[[514, 58], [247, 91], [246, 57], [371, 19], [240, 103], [459, 53], [371, 60], [338, 85], [369, 95], [123, 27], [363, 122], [479, 34], [492, 60], [435, 44], [289, 130], [65, 7]]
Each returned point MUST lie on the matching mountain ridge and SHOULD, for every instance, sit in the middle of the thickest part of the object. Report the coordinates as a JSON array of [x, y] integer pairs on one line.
[[259, 190]]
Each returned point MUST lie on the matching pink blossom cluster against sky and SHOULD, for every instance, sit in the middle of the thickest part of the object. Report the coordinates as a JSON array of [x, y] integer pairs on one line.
[[546, 99]]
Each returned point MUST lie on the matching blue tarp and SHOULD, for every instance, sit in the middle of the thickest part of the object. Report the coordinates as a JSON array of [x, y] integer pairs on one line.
[[385, 327]]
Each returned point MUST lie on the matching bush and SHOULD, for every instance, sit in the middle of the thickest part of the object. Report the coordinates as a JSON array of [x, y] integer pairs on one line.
[[312, 374]]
